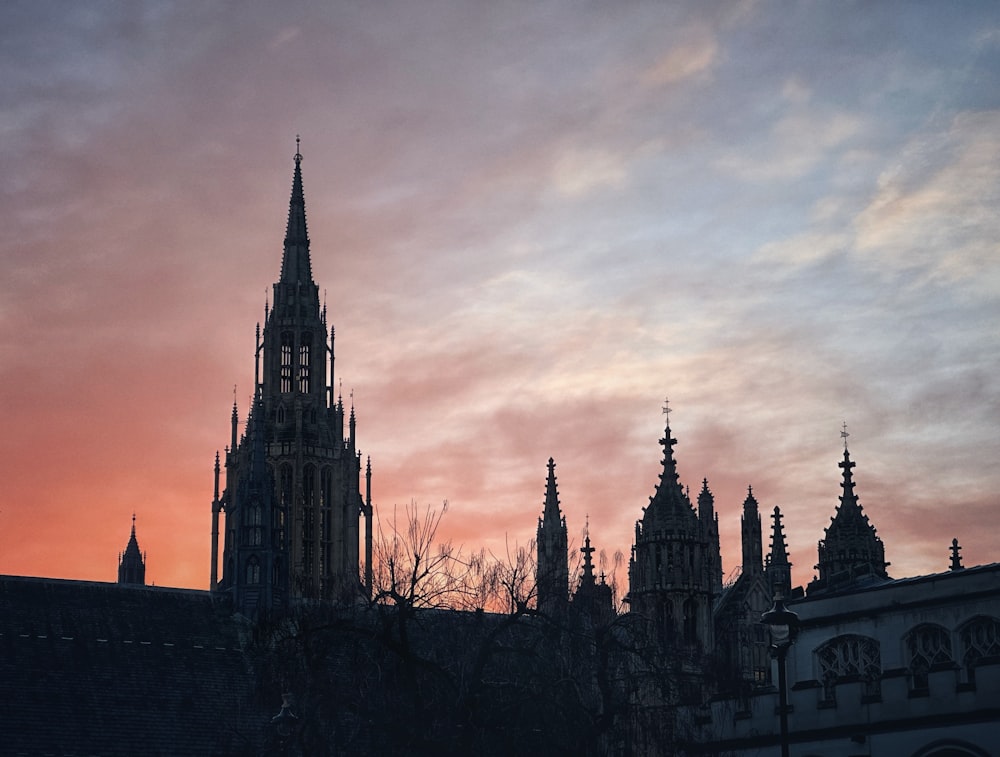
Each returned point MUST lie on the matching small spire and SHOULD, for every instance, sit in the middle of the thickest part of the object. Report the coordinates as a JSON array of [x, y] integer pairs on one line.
[[550, 508], [296, 267], [588, 551], [956, 558], [779, 551]]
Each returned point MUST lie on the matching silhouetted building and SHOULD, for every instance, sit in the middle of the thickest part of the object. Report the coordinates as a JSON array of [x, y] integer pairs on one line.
[[292, 498], [908, 666], [132, 562]]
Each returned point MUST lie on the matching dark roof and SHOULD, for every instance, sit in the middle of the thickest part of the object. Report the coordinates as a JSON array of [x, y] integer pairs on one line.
[[107, 669]]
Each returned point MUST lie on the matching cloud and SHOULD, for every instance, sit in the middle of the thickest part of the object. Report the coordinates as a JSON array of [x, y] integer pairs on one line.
[[577, 172], [934, 212], [685, 61]]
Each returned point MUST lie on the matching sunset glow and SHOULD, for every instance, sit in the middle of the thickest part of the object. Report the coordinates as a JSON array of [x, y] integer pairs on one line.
[[533, 222]]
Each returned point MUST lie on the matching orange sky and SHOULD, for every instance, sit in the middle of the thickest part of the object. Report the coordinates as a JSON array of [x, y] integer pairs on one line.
[[532, 223]]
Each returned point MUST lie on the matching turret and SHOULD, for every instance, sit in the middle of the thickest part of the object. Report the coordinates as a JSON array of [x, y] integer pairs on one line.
[[710, 525], [750, 529], [851, 552], [671, 581]]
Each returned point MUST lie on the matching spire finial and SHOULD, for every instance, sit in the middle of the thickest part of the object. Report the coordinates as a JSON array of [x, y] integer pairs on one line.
[[133, 523], [844, 434], [666, 409], [298, 153], [956, 558]]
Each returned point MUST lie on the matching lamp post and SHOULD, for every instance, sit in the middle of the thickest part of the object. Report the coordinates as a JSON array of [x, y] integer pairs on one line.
[[782, 624], [285, 722]]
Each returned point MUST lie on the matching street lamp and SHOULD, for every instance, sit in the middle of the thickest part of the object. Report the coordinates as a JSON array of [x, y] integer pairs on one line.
[[285, 721], [782, 624]]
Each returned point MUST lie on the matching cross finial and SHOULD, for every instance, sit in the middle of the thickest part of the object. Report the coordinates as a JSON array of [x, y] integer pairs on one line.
[[298, 153], [666, 409], [844, 434]]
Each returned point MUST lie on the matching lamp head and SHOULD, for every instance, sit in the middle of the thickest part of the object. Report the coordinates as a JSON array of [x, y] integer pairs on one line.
[[781, 622]]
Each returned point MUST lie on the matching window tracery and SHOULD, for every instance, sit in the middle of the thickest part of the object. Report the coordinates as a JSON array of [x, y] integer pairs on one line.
[[927, 645], [253, 571], [980, 639], [850, 657]]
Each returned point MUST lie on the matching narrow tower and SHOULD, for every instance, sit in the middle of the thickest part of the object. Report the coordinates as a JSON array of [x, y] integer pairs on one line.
[[592, 601], [132, 562], [750, 529], [293, 497], [552, 577], [710, 525]]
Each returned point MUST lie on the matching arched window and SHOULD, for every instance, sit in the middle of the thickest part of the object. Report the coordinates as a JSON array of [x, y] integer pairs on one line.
[[280, 415], [253, 571], [690, 621], [927, 645], [286, 362], [850, 658], [304, 345], [980, 640]]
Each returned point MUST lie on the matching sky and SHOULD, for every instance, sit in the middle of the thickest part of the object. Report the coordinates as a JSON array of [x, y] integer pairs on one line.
[[532, 222]]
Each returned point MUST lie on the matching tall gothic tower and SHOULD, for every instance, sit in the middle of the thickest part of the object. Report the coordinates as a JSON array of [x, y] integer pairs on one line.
[[552, 577], [672, 570], [292, 497]]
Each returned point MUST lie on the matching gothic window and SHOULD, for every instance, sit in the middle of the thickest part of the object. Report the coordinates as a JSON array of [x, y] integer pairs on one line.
[[927, 645], [980, 640], [253, 571], [690, 621], [326, 488], [255, 535], [304, 364], [286, 363], [285, 486], [281, 414], [850, 658]]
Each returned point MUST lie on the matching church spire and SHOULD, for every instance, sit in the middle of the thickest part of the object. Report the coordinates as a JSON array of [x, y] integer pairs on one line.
[[777, 567], [588, 560], [552, 576], [295, 264], [131, 562]]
